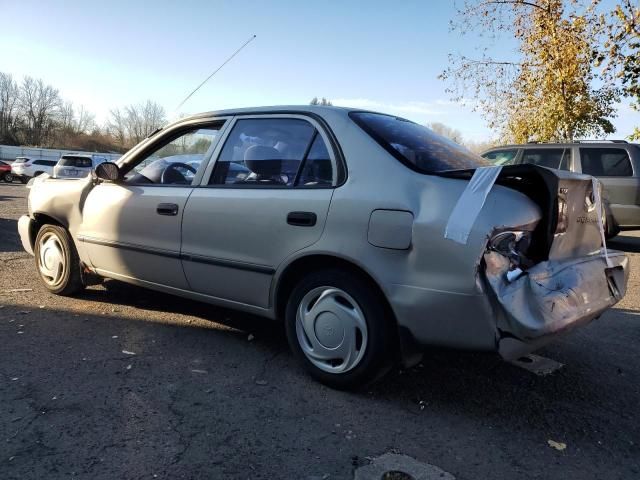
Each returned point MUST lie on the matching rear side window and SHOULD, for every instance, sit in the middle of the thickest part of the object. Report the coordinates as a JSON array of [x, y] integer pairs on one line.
[[547, 157], [501, 157], [415, 145], [48, 163], [71, 161], [282, 152], [606, 162]]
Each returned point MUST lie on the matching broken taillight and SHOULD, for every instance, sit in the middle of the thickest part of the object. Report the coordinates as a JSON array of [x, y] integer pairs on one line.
[[563, 220], [512, 244]]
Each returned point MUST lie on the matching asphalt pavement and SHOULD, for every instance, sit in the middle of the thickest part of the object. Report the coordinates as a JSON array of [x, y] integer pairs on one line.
[[124, 383]]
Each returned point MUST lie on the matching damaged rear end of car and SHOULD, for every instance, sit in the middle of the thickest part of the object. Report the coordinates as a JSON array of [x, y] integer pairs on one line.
[[547, 277]]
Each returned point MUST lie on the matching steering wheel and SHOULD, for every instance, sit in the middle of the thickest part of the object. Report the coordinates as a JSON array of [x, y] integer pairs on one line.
[[171, 175]]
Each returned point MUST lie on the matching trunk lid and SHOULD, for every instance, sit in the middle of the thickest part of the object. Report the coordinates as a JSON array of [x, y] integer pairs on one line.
[[569, 226]]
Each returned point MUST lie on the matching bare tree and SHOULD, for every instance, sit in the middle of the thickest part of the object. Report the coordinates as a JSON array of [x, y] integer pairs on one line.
[[9, 95], [39, 104], [446, 131], [116, 126], [323, 101], [136, 122], [84, 121]]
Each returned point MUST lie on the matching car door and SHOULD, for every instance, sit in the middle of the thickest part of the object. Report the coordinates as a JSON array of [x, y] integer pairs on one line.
[[613, 167], [265, 197], [131, 228]]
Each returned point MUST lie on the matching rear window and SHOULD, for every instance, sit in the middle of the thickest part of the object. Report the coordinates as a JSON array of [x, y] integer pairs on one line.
[[21, 160], [547, 157], [415, 145], [70, 161], [606, 162], [501, 157]]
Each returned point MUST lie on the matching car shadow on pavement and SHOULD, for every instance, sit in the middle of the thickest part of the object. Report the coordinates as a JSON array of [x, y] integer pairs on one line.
[[120, 293], [9, 238], [625, 243], [111, 367]]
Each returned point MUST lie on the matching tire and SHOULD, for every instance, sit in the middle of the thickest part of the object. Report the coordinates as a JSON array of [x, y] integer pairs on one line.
[[358, 306], [24, 180], [57, 261], [8, 177], [611, 228]]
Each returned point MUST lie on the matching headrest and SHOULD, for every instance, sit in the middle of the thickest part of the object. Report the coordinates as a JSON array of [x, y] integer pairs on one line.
[[263, 160]]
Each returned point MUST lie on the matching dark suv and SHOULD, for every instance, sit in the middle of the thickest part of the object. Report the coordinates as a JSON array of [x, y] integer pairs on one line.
[[615, 163]]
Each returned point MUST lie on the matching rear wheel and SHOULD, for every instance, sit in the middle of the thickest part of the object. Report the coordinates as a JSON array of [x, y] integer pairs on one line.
[[338, 327], [57, 261]]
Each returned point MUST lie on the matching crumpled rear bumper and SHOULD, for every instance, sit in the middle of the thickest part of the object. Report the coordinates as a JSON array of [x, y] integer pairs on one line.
[[553, 297]]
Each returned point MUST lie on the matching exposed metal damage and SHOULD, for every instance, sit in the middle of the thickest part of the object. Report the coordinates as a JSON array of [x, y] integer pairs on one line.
[[548, 276]]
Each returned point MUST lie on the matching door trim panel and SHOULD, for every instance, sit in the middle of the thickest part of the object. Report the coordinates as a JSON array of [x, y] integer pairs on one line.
[[265, 269], [251, 267], [129, 246]]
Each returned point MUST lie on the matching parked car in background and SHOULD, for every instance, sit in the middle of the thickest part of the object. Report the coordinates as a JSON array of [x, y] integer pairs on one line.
[[615, 163], [25, 168], [5, 172], [76, 165], [363, 232]]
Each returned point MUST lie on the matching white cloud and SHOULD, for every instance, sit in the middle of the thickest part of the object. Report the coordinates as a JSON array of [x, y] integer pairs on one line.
[[414, 107]]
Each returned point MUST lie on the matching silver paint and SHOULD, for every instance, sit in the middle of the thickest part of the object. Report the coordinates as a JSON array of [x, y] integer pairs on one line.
[[437, 289]]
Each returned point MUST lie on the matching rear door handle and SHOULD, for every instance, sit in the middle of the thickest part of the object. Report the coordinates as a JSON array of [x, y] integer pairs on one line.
[[302, 219], [170, 209]]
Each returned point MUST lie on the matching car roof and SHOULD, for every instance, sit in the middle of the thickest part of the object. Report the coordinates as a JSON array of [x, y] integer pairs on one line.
[[603, 143], [321, 110], [274, 109]]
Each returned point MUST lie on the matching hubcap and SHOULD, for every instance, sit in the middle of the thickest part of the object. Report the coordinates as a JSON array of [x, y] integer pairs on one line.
[[331, 329], [51, 259]]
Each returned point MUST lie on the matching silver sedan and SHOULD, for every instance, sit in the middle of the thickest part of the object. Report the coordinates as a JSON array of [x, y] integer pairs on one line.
[[370, 236]]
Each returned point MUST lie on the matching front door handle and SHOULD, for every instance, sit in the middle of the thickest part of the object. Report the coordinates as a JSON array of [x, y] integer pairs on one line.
[[170, 209], [302, 219]]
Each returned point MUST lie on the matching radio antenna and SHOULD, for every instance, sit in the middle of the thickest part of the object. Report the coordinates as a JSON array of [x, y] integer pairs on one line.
[[214, 72]]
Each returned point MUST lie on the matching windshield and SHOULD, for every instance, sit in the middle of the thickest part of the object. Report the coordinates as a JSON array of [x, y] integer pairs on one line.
[[415, 145], [73, 161]]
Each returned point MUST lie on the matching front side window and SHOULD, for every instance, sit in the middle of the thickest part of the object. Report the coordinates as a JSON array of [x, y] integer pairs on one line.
[[546, 157], [501, 157], [415, 145], [606, 162], [176, 160], [283, 152]]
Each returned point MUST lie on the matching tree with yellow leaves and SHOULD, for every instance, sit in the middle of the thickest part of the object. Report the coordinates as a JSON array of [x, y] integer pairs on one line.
[[547, 93], [621, 51]]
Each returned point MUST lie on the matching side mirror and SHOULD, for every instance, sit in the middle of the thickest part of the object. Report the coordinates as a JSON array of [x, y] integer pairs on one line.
[[107, 171]]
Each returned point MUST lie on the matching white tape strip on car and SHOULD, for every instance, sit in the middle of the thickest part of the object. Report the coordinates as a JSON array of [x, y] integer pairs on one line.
[[470, 203], [596, 193]]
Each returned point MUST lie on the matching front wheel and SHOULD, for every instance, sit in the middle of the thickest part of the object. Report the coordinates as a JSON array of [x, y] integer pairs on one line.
[[57, 261], [339, 328], [24, 180]]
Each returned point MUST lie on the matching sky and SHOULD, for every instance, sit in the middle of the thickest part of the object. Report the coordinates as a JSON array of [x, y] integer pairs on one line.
[[380, 55]]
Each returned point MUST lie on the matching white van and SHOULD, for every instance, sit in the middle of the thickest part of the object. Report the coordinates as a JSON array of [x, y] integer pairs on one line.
[[75, 165]]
